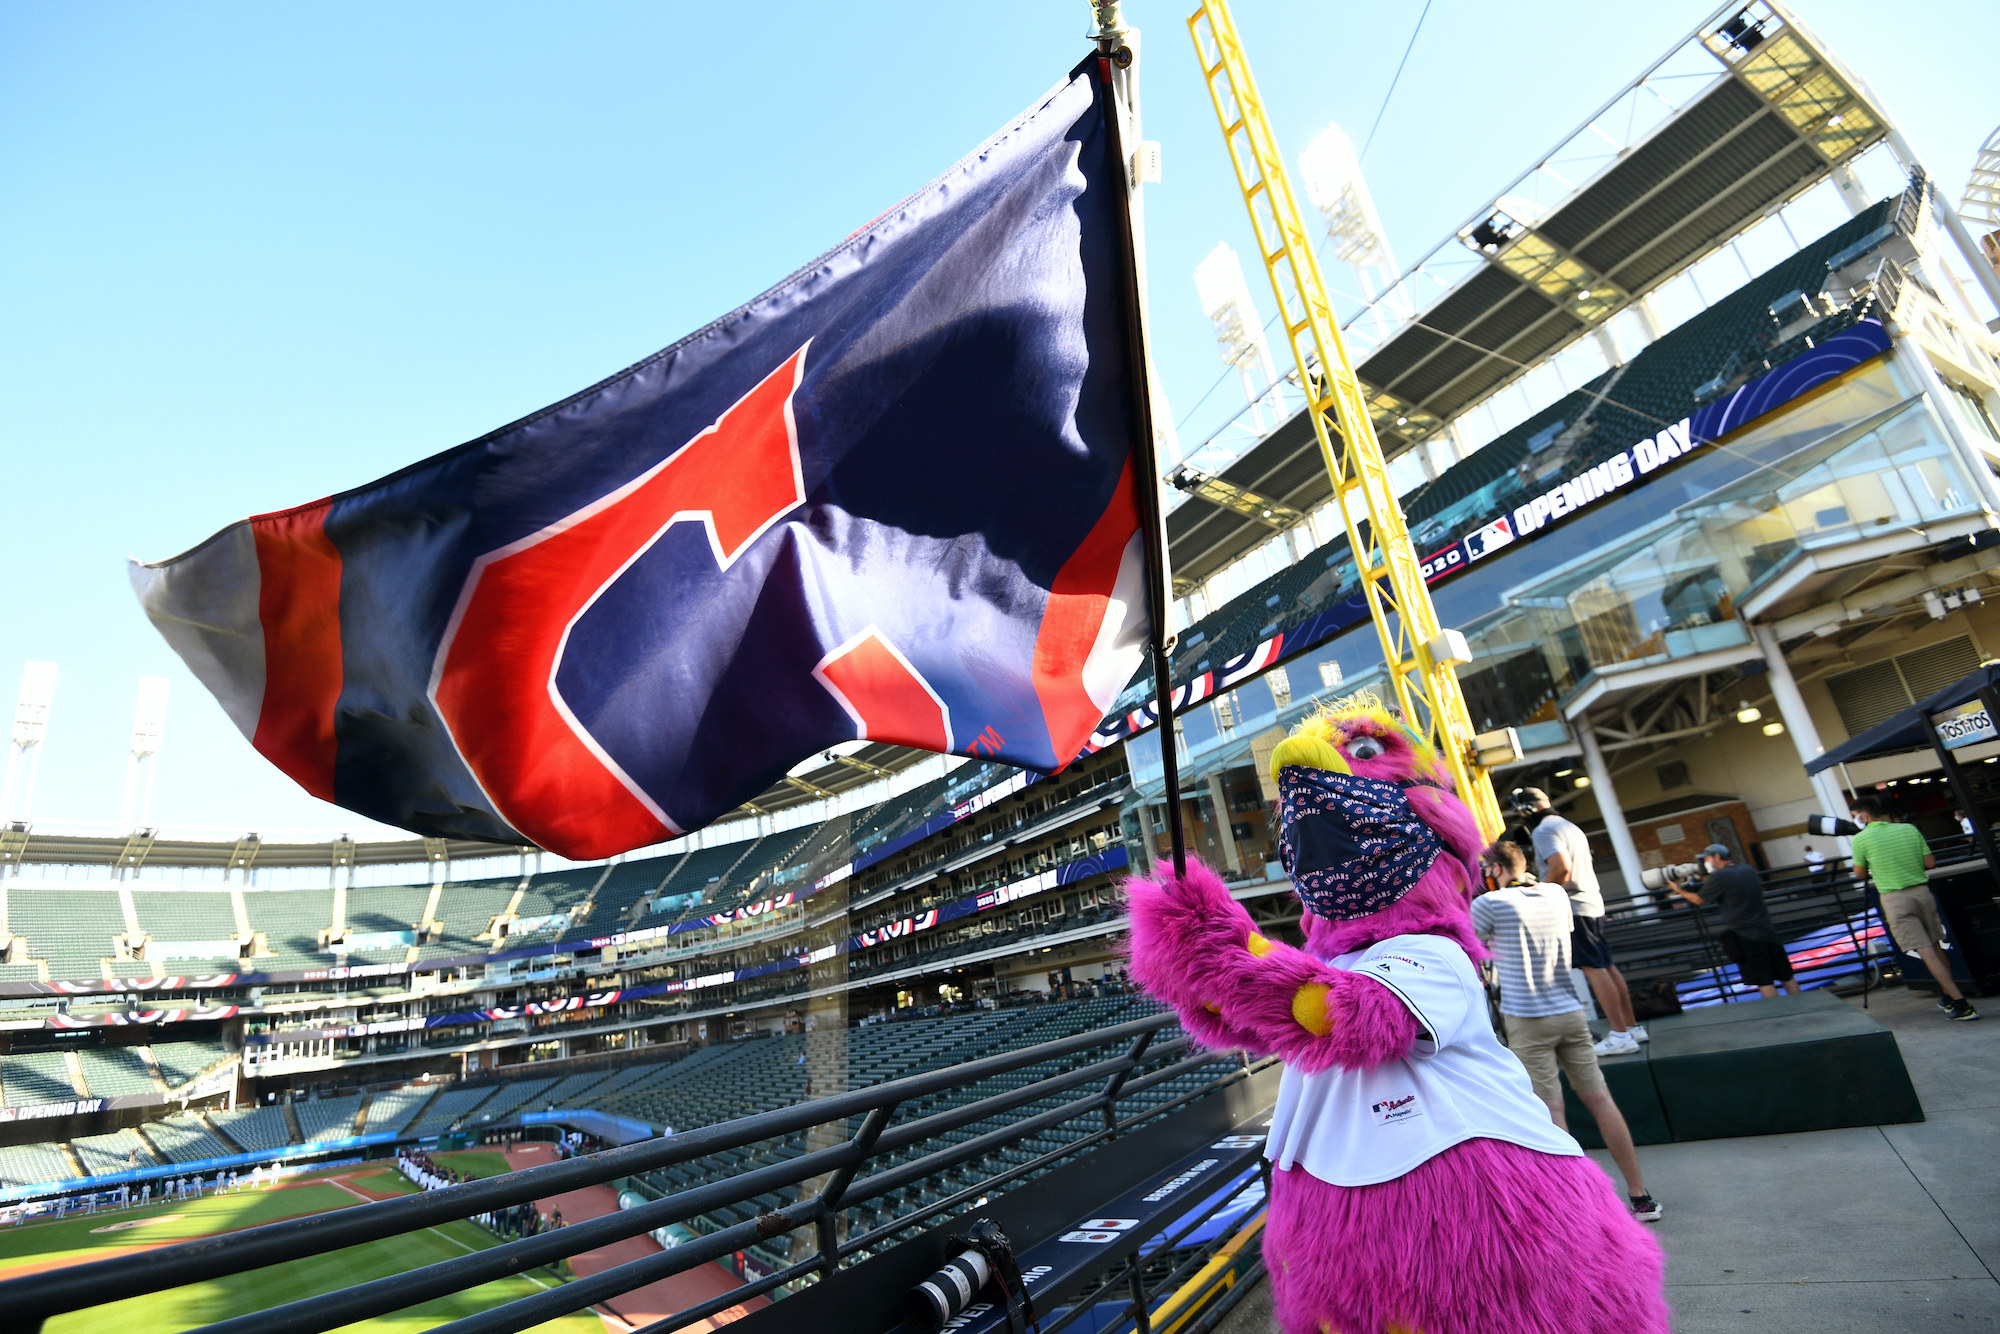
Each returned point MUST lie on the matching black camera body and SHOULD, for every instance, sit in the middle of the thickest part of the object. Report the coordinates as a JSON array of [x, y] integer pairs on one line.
[[985, 1257]]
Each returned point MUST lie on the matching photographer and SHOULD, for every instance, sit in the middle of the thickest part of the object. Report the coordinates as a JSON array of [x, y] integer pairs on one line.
[[1896, 857], [1747, 936], [1563, 853]]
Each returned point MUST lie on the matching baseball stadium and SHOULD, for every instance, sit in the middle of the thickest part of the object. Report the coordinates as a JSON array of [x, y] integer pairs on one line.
[[1685, 446]]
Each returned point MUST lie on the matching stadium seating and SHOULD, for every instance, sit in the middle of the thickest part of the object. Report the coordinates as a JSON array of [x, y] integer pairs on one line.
[[119, 1151], [726, 1081], [191, 916], [33, 1077], [466, 909], [180, 1062], [73, 929], [384, 910], [32, 1164], [450, 1107], [115, 1071], [393, 1111], [511, 1097], [257, 1129], [186, 1138], [291, 920], [327, 1118]]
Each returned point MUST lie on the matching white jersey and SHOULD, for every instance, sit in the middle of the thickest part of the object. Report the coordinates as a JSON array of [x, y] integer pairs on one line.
[[1360, 1127]]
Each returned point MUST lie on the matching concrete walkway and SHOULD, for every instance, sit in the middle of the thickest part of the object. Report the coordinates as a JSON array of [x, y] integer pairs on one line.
[[1892, 1228]]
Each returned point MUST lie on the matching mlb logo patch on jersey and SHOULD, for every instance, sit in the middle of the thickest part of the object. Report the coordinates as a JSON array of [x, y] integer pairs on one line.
[[1391, 1110]]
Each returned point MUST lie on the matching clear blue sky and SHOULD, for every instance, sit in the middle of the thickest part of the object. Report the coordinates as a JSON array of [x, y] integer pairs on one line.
[[254, 254]]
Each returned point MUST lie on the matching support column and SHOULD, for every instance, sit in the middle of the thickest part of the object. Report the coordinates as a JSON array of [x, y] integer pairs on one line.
[[1607, 343], [1649, 319], [1219, 801], [1149, 837], [1615, 827], [1798, 721], [1852, 192]]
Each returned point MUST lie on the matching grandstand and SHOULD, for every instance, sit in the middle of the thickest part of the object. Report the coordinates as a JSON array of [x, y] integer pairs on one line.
[[182, 1062], [186, 1138], [111, 1072], [119, 1151], [327, 1118], [33, 1077], [256, 1128], [392, 1112], [33, 1164], [913, 926]]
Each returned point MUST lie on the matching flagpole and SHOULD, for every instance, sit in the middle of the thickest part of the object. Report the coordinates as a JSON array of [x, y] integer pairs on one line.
[[1116, 56]]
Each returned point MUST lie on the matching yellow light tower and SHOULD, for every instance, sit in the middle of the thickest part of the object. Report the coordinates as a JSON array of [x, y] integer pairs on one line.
[[1420, 654]]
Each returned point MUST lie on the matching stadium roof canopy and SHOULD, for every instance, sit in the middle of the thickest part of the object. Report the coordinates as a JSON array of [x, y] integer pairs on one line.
[[833, 773], [1756, 112]]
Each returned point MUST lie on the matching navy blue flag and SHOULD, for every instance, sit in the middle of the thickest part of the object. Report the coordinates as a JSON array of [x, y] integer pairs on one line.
[[891, 498]]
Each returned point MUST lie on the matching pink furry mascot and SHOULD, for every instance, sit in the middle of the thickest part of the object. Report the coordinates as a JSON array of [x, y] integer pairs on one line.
[[1421, 1187]]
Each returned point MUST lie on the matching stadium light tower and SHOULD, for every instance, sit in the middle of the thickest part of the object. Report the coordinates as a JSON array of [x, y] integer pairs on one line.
[[31, 725], [149, 724], [1338, 190], [1980, 205], [1225, 299]]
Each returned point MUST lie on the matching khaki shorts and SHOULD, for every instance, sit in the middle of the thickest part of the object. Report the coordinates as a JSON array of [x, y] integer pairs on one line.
[[1558, 1039], [1912, 918]]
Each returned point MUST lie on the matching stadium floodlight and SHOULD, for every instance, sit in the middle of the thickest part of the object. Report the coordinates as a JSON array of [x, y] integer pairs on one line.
[[1226, 301], [1334, 183], [31, 726], [149, 725]]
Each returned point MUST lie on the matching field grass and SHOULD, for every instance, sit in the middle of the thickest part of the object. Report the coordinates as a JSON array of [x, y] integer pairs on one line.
[[476, 1162], [260, 1289]]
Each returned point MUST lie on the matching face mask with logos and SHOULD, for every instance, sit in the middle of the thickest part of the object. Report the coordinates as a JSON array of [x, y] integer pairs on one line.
[[1351, 845]]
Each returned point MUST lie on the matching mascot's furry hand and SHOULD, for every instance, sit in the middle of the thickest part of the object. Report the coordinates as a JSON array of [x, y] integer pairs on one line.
[[1195, 948]]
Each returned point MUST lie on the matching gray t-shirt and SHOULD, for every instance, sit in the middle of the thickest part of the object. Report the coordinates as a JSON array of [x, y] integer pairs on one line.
[[1554, 834]]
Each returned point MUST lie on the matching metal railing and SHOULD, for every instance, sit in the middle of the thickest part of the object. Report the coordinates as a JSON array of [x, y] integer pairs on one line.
[[828, 1179], [1676, 941]]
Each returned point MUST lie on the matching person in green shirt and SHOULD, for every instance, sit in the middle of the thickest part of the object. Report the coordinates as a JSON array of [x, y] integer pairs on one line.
[[1898, 860]]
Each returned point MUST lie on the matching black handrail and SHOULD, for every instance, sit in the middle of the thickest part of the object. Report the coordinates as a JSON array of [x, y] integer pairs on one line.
[[33, 1298]]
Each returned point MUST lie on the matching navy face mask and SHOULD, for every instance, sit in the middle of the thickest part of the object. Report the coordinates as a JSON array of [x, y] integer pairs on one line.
[[1351, 845]]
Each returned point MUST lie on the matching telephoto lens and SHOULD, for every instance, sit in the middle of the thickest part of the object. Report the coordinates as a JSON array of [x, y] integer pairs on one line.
[[985, 1256], [1831, 826], [1656, 877], [947, 1292]]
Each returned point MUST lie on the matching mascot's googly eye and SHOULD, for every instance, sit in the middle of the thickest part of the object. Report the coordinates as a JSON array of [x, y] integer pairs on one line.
[[1365, 748]]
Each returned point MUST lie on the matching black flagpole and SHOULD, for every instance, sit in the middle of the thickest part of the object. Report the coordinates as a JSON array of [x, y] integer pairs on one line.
[[1146, 481]]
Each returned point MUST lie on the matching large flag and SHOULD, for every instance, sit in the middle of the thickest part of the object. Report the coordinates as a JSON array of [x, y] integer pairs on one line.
[[891, 498]]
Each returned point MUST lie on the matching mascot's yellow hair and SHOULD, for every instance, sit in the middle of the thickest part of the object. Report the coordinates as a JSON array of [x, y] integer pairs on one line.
[[1315, 741]]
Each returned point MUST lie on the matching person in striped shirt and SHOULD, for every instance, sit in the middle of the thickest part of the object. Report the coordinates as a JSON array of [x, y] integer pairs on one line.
[[1526, 923]]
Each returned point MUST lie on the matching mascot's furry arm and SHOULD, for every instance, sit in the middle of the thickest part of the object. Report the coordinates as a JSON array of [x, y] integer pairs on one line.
[[1195, 948]]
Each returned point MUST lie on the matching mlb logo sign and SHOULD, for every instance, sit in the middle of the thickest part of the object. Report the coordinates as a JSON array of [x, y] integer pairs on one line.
[[1490, 538]]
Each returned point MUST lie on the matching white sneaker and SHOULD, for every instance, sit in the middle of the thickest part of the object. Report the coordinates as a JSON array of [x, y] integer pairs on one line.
[[1638, 1033], [1618, 1044]]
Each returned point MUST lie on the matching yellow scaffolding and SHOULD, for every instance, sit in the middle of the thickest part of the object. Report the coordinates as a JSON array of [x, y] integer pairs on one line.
[[1418, 653]]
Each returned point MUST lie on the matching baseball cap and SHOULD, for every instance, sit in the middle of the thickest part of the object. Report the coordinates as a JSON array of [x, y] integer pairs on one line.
[[1718, 850], [1530, 798]]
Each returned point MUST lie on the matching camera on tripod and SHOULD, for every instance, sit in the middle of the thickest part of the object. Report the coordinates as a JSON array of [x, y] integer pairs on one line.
[[985, 1256], [1686, 874]]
